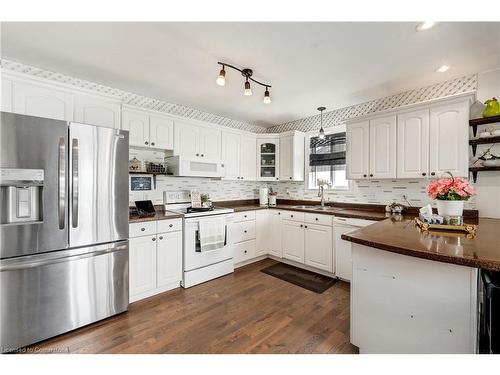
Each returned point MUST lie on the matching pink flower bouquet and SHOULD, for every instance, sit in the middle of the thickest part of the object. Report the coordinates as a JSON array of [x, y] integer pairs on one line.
[[450, 189]]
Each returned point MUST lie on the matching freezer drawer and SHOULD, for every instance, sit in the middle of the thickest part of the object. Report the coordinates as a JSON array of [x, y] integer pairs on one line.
[[47, 295]]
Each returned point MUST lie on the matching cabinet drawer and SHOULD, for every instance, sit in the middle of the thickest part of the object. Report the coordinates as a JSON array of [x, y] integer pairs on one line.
[[292, 215], [319, 219], [142, 229], [244, 216], [172, 225], [244, 251], [242, 231]]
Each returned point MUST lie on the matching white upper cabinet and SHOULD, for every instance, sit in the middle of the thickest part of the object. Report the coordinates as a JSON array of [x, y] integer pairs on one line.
[[6, 100], [292, 157], [413, 144], [148, 129], [187, 140], [137, 123], [238, 156], [36, 100], [357, 150], [449, 137], [268, 159], [383, 147], [210, 143], [248, 157], [197, 142], [97, 111], [231, 145], [161, 132]]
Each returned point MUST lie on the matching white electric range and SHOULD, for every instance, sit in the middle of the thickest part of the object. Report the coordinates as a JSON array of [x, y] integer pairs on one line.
[[198, 266]]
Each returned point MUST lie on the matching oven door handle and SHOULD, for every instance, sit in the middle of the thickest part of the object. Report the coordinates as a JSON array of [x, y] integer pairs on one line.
[[225, 235]]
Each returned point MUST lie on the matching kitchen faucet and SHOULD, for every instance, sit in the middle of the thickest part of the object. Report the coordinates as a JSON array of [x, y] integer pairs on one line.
[[321, 193]]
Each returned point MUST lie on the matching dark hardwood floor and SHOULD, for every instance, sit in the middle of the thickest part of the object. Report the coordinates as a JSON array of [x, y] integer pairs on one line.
[[245, 312]]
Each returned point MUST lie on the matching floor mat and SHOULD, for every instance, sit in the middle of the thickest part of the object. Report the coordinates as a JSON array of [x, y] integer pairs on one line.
[[306, 279]]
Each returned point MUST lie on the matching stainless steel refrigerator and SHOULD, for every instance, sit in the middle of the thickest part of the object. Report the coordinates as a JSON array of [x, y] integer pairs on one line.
[[63, 229]]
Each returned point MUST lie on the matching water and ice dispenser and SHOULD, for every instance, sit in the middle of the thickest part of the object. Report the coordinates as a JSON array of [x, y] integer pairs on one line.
[[21, 195]]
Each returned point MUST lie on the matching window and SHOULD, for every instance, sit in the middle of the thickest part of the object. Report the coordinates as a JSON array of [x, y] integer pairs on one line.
[[327, 161]]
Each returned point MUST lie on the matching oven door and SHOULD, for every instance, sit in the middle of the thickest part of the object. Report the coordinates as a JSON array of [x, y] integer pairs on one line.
[[193, 257]]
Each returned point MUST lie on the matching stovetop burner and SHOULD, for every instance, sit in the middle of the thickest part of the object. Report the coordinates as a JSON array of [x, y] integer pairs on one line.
[[199, 209]]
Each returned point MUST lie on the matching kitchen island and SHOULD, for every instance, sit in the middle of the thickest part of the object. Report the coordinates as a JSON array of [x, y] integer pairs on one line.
[[416, 292]]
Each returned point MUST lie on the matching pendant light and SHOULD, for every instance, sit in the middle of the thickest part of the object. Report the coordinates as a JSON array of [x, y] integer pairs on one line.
[[321, 134], [221, 79], [248, 90], [267, 97]]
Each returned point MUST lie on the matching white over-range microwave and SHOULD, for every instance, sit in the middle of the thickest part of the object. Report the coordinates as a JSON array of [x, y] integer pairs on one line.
[[179, 166]]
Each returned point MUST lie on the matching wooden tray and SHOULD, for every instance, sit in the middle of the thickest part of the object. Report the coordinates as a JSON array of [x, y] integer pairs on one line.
[[469, 228]]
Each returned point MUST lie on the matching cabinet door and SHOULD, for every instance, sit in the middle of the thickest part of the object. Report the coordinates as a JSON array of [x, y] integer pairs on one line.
[[413, 144], [248, 158], [187, 140], [42, 101], [169, 258], [231, 155], [449, 137], [263, 232], [274, 246], [343, 258], [161, 132], [357, 150], [268, 159], [292, 234], [286, 158], [383, 147], [137, 124], [210, 144], [244, 251], [6, 99], [96, 111], [142, 264], [318, 246]]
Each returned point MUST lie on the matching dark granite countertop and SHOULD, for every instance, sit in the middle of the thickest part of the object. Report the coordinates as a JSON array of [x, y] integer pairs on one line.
[[404, 237], [160, 215]]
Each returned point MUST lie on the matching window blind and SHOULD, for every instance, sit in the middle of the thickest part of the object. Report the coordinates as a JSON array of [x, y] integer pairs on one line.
[[329, 151]]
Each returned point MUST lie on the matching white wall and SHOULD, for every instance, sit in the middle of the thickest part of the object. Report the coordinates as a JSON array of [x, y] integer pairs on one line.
[[488, 183]]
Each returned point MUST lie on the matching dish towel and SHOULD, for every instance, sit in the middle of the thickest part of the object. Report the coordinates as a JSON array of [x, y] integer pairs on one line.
[[212, 233]]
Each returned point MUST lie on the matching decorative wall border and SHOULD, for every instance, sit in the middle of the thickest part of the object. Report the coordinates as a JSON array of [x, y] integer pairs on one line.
[[338, 116], [130, 98]]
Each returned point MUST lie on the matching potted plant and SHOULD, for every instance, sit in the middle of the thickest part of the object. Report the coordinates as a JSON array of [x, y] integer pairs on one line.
[[450, 194]]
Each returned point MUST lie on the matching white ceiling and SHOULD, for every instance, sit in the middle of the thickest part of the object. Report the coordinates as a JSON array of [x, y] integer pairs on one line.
[[308, 64]]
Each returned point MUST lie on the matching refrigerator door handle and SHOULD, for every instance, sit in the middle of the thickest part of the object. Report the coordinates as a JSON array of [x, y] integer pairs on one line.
[[61, 183], [74, 185]]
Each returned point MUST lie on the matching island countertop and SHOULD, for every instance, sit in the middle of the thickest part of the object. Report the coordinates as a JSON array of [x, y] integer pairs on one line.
[[404, 237]]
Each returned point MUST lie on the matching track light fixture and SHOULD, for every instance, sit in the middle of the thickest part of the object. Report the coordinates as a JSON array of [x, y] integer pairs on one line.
[[247, 73], [321, 134]]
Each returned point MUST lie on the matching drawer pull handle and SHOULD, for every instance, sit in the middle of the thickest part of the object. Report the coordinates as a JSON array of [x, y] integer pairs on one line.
[[161, 237], [153, 239], [305, 226], [245, 216], [316, 219], [291, 215], [301, 225], [245, 251], [143, 229], [245, 231], [170, 225]]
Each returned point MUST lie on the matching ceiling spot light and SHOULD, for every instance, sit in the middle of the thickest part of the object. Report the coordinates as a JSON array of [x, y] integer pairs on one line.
[[422, 26], [247, 74], [221, 79], [267, 97], [321, 134], [442, 68]]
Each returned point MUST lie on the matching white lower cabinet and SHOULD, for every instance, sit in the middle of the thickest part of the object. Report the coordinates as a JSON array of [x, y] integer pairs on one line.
[[268, 233], [242, 235], [168, 258], [142, 258], [244, 251], [318, 248], [155, 260], [343, 257], [292, 234]]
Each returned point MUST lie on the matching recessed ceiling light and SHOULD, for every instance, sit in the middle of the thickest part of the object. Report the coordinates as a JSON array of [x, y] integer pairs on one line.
[[425, 25], [442, 68]]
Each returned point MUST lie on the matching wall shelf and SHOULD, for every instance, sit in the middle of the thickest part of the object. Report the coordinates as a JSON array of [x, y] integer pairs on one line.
[[482, 141], [474, 170], [482, 121]]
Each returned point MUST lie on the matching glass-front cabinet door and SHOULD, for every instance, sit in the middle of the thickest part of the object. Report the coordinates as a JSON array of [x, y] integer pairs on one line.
[[268, 159]]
